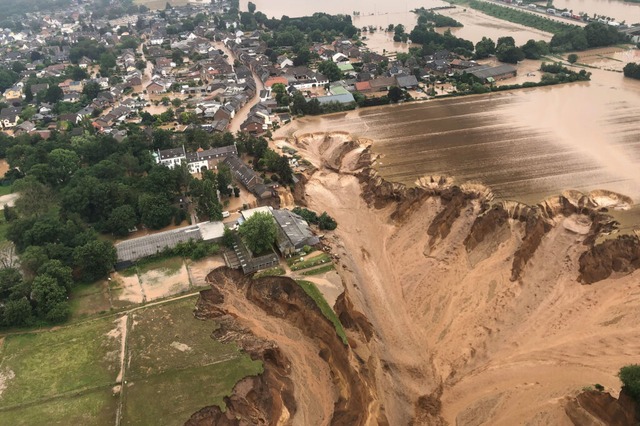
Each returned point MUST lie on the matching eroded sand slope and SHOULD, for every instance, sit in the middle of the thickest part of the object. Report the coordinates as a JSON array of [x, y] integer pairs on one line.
[[463, 334]]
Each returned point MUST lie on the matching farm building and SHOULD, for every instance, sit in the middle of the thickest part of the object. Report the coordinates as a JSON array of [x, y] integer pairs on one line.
[[138, 248], [489, 74], [293, 232]]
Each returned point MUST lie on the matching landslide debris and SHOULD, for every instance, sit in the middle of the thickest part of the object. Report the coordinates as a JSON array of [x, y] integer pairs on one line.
[[621, 255], [269, 398], [597, 408]]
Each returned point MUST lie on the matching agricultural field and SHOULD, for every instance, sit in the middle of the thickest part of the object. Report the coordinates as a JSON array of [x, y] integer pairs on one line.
[[74, 374], [147, 282], [64, 376], [170, 353]]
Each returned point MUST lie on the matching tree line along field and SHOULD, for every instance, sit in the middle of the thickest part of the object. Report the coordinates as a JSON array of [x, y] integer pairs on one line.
[[72, 375]]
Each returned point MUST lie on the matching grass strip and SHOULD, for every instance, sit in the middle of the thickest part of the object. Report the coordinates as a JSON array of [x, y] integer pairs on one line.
[[313, 292]]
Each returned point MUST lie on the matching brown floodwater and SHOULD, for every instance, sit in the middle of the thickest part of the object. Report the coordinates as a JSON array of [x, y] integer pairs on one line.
[[617, 9], [381, 14], [525, 145]]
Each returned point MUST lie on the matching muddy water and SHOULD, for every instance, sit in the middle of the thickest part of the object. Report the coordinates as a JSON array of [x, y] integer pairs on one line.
[[381, 14], [526, 145], [617, 9]]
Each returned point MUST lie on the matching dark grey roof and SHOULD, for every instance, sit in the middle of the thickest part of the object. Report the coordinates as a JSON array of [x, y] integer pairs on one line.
[[172, 153], [137, 248], [484, 72], [295, 230], [407, 81], [243, 173]]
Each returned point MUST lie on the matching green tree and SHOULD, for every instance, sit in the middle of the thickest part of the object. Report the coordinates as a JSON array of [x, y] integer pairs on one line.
[[53, 94], [122, 219], [509, 54], [632, 70], [259, 232], [47, 294], [330, 70], [62, 163], [56, 269], [251, 7], [572, 58], [227, 238], [155, 210], [395, 94], [484, 48], [326, 222], [17, 312], [95, 259], [630, 378], [91, 90]]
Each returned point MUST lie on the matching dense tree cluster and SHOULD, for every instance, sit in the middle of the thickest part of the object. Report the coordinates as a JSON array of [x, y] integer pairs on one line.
[[259, 232], [264, 158], [72, 188], [324, 221], [433, 41], [595, 34], [437, 20]]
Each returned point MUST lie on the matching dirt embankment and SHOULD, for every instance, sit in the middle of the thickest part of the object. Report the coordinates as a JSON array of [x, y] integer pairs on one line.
[[310, 376], [476, 312], [600, 408]]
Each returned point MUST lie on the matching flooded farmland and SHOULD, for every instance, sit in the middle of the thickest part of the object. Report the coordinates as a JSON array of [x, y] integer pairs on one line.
[[525, 145]]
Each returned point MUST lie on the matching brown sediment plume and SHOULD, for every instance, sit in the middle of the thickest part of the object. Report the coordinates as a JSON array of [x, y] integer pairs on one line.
[[275, 397]]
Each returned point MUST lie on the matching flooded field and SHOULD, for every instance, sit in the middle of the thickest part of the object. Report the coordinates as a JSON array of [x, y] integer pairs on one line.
[[476, 24], [617, 9], [525, 145]]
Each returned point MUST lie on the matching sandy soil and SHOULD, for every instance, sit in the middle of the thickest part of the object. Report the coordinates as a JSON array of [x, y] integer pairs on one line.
[[4, 167], [126, 289], [308, 371], [199, 270], [159, 283], [504, 352]]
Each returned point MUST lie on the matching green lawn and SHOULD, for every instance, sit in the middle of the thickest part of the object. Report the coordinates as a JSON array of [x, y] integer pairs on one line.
[[172, 397], [4, 190], [311, 289], [168, 336], [66, 376], [176, 367], [320, 270], [89, 299], [58, 362], [271, 272], [92, 408], [310, 262], [168, 266]]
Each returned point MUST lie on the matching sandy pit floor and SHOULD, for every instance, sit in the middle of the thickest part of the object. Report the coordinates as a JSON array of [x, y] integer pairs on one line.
[[159, 283], [125, 290], [200, 269]]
